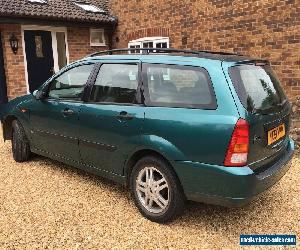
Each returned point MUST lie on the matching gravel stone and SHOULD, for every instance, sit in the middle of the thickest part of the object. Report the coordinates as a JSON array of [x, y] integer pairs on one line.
[[47, 205]]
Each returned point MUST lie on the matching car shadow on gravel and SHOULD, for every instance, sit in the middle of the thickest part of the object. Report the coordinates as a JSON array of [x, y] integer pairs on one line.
[[195, 215]]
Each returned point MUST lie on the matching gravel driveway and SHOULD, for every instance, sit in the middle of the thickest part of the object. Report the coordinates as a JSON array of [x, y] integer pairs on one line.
[[45, 204]]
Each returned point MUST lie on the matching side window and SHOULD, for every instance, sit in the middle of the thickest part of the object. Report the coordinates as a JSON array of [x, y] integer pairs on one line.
[[116, 83], [178, 86], [70, 85]]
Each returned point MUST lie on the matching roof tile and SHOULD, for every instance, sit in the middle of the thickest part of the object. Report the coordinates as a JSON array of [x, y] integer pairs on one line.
[[58, 10]]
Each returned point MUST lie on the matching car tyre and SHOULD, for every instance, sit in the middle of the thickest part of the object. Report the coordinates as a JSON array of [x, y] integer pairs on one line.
[[156, 190], [20, 143]]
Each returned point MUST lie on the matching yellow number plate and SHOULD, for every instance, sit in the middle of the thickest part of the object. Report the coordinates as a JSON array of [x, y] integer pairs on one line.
[[276, 133]]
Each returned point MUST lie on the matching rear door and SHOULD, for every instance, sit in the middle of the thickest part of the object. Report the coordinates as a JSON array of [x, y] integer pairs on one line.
[[112, 118], [267, 111]]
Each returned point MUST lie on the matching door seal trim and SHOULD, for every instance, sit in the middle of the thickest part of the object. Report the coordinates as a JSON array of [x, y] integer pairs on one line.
[[98, 145]]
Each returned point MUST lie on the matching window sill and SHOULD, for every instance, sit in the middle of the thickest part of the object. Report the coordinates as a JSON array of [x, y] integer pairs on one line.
[[98, 45]]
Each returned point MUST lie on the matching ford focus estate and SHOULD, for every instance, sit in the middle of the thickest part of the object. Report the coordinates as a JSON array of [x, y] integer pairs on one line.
[[173, 126]]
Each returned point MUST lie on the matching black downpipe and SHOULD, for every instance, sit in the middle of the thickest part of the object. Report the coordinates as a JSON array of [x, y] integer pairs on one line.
[[3, 88]]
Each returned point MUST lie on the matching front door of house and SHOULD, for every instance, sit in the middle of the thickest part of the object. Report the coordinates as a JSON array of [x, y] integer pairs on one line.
[[39, 56], [3, 91]]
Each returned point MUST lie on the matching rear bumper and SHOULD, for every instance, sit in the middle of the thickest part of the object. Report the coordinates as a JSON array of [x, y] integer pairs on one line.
[[229, 186]]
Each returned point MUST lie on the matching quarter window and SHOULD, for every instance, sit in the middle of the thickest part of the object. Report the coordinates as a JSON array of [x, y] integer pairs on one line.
[[116, 83], [178, 86], [70, 85]]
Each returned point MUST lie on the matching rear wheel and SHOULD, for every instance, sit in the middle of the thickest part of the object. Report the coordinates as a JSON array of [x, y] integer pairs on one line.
[[20, 144], [156, 190]]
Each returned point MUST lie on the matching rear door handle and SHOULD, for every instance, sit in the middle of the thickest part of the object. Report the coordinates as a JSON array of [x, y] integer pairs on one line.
[[68, 111], [125, 116]]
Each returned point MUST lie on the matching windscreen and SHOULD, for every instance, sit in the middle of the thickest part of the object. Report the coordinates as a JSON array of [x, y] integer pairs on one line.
[[258, 88]]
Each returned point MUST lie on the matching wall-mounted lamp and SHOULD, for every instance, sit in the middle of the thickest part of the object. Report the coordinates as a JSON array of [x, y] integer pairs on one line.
[[14, 43]]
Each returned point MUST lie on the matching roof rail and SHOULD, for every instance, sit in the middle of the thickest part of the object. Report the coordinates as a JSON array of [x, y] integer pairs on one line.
[[158, 50]]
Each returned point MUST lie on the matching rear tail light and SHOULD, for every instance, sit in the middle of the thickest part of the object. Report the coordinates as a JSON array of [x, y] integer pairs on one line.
[[238, 149]]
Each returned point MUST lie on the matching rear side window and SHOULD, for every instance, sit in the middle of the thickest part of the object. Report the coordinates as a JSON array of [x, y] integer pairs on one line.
[[116, 83], [258, 88], [178, 86]]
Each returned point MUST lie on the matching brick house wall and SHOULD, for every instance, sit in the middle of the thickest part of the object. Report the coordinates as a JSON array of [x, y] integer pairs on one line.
[[267, 29], [13, 64], [78, 44]]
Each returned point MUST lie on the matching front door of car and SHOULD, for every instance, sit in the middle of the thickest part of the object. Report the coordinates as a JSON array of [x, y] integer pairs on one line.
[[54, 119], [112, 118]]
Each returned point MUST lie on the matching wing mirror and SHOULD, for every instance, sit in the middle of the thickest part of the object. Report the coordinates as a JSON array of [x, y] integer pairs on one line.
[[39, 94]]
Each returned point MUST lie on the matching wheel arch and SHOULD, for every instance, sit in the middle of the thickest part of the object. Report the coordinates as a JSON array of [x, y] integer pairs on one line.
[[136, 156]]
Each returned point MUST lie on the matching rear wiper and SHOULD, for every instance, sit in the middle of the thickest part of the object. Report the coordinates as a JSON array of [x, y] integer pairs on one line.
[[262, 111], [282, 103]]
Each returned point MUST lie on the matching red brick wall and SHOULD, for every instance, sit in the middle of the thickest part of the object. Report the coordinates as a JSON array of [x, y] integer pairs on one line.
[[79, 47], [262, 28], [79, 43], [14, 64]]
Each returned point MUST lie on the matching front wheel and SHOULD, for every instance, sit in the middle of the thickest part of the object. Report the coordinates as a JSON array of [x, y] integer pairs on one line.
[[20, 144], [156, 190]]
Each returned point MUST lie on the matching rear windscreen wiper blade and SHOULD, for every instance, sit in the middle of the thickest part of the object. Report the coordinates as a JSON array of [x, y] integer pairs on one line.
[[282, 103], [262, 111]]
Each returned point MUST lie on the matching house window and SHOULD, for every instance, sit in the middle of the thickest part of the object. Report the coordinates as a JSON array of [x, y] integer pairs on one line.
[[38, 46], [97, 37], [38, 1], [90, 8], [149, 42], [61, 49]]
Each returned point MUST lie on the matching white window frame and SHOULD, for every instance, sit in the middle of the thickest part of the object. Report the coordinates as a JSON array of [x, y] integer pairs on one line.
[[103, 38], [134, 44], [155, 40], [53, 31]]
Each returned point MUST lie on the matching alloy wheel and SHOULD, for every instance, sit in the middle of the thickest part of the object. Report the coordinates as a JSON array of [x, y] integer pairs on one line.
[[153, 190]]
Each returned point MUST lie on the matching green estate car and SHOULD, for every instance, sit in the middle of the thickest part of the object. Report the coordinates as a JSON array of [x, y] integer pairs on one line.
[[172, 125]]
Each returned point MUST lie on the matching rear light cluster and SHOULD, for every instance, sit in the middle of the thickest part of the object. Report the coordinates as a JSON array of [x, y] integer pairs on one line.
[[238, 149]]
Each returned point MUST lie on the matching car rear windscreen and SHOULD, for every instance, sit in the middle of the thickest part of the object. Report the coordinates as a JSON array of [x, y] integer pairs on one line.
[[258, 88]]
